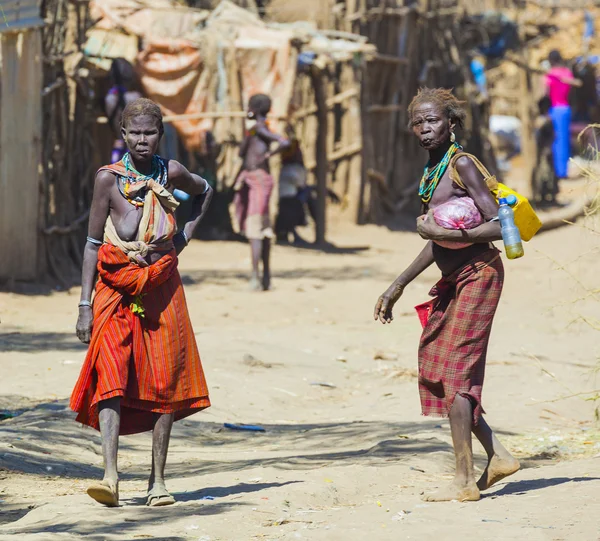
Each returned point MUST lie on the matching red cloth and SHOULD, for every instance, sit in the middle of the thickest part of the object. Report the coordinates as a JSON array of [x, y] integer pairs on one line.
[[152, 362], [456, 333], [253, 197]]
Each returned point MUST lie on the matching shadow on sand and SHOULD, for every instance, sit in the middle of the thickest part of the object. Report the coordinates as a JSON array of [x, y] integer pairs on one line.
[[46, 441], [119, 522], [517, 488], [33, 342], [210, 493], [327, 274]]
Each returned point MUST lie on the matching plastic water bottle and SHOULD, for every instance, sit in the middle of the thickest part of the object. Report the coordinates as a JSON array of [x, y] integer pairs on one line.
[[510, 232]]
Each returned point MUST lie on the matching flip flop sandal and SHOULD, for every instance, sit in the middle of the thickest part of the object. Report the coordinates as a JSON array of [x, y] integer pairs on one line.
[[103, 493], [159, 497]]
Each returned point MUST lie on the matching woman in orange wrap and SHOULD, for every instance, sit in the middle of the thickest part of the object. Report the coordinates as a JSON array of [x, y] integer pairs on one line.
[[142, 370]]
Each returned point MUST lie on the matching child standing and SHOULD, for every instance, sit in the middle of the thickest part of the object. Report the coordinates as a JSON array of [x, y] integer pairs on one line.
[[254, 186]]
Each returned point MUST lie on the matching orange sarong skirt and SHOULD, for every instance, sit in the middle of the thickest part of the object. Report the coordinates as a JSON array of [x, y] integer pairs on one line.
[[152, 362]]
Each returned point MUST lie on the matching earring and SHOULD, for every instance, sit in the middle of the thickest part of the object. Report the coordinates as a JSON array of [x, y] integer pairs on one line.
[[452, 137]]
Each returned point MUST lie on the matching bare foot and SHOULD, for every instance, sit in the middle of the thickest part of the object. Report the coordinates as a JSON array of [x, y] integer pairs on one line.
[[105, 492], [456, 491], [497, 469]]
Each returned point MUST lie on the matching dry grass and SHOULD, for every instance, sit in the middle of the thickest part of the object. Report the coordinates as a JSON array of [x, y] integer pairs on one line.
[[591, 225]]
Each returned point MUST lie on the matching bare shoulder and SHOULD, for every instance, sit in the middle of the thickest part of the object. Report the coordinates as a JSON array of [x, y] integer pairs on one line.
[[104, 180], [468, 171], [176, 170], [465, 165], [179, 176], [104, 184]]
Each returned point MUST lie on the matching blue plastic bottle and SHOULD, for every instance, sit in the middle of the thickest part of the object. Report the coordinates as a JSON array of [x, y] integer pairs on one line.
[[510, 232]]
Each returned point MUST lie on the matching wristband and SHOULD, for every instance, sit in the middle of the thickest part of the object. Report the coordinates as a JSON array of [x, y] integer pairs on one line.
[[94, 241], [84, 303]]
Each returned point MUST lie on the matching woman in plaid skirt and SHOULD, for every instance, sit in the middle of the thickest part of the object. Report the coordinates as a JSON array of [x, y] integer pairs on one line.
[[457, 323]]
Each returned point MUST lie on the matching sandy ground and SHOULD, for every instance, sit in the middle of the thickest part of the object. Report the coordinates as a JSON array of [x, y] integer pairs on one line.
[[340, 461]]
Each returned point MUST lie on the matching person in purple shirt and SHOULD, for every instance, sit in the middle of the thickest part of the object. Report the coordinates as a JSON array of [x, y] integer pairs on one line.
[[124, 90]]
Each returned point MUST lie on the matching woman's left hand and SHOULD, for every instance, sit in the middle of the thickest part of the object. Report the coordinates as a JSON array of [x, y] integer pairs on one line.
[[427, 228]]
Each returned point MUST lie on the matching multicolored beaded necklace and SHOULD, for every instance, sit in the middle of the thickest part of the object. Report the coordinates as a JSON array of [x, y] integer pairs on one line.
[[431, 179], [132, 176]]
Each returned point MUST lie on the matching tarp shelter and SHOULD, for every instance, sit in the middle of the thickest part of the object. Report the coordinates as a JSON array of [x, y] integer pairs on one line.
[[202, 67]]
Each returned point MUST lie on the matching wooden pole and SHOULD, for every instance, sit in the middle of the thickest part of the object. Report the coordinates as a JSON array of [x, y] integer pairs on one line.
[[320, 154], [528, 143]]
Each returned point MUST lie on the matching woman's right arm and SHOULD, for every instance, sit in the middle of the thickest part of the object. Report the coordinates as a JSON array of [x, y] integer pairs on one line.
[[98, 216], [385, 303]]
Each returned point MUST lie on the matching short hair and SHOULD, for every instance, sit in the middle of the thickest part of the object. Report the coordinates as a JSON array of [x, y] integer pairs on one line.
[[443, 98], [261, 103], [555, 57], [139, 107]]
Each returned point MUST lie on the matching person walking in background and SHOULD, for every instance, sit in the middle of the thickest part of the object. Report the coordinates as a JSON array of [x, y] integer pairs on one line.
[[254, 186], [292, 182], [295, 195], [545, 183], [123, 91], [559, 81]]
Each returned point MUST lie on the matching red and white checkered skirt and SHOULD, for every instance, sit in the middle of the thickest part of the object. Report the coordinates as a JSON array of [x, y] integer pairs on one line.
[[456, 333]]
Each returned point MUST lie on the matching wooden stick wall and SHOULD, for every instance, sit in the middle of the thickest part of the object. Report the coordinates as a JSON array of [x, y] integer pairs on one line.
[[366, 153], [69, 153], [328, 126], [417, 46]]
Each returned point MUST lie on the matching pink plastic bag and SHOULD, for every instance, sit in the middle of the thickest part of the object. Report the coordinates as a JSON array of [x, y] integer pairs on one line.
[[459, 213]]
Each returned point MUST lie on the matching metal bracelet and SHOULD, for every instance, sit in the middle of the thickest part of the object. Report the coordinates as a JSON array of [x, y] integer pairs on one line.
[[84, 303], [94, 241]]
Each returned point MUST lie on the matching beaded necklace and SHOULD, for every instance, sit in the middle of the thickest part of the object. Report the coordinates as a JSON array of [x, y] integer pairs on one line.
[[431, 179], [132, 176]]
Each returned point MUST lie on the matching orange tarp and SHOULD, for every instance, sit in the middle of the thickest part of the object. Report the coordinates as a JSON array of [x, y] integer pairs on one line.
[[186, 65], [174, 76]]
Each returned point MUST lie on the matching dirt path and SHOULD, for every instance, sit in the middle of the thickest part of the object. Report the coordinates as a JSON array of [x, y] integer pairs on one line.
[[338, 461]]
